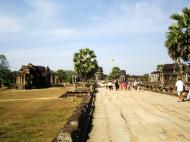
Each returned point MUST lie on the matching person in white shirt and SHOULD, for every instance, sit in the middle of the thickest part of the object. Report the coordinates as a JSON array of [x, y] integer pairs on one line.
[[188, 97], [180, 87]]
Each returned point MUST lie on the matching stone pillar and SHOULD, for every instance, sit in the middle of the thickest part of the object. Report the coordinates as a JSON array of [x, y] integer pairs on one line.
[[56, 80], [51, 79], [17, 80], [24, 80], [187, 77], [20, 80], [162, 78]]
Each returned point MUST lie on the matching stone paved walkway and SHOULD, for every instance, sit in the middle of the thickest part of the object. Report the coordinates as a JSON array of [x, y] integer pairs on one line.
[[139, 116]]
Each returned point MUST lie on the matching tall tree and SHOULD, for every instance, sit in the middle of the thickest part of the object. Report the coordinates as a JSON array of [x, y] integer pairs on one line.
[[85, 63], [159, 68], [69, 75], [115, 73], [3, 62], [144, 77], [61, 75], [6, 77], [178, 36]]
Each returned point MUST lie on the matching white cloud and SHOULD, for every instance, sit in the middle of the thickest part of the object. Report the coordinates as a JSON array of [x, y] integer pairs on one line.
[[62, 31], [43, 7], [9, 24], [39, 16], [56, 57], [126, 18]]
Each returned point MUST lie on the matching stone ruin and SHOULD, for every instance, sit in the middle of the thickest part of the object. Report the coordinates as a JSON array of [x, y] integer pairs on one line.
[[31, 76], [99, 75], [164, 79], [122, 75], [168, 73]]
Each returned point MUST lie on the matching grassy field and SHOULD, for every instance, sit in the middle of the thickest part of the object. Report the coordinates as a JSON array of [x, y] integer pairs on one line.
[[33, 93], [33, 120]]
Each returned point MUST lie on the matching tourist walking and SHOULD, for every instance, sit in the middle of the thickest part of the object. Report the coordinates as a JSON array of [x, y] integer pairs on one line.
[[110, 86], [188, 96], [180, 87], [116, 85], [129, 86], [135, 85]]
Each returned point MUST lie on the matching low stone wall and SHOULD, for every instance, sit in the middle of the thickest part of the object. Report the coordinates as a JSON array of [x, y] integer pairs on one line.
[[79, 94], [77, 127], [161, 88]]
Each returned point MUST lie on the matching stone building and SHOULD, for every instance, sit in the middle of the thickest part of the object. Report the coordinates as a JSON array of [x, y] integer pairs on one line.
[[31, 76], [122, 76], [168, 73], [54, 79], [154, 76], [132, 78]]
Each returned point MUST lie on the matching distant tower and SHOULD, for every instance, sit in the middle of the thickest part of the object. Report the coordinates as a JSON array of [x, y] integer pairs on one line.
[[99, 74]]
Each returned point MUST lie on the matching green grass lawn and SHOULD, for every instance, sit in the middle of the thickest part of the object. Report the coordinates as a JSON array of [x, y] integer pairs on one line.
[[34, 120]]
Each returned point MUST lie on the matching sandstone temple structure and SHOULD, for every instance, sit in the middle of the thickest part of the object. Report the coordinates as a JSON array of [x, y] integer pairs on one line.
[[168, 73], [122, 75], [99, 75], [31, 76]]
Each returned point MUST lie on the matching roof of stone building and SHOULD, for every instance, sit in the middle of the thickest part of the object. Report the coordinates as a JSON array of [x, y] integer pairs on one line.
[[154, 72], [168, 66], [186, 68], [40, 68], [26, 68], [134, 76], [122, 71]]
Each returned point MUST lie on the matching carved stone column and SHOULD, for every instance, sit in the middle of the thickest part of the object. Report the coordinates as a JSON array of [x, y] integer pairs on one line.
[[20, 80], [24, 80], [51, 79]]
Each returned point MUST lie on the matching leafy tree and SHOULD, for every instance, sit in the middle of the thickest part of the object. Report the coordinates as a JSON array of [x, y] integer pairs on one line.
[[61, 75], [85, 63], [6, 77], [159, 67], [69, 75], [144, 77], [3, 62], [65, 75], [115, 73], [178, 36]]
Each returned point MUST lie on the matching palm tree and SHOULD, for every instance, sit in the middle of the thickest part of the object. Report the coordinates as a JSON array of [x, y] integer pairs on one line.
[[178, 36], [85, 63]]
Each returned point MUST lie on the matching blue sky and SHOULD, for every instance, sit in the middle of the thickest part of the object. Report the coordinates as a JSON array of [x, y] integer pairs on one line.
[[48, 32]]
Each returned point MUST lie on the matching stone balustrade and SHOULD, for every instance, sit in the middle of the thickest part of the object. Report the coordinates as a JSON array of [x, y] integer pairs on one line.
[[167, 88], [77, 126]]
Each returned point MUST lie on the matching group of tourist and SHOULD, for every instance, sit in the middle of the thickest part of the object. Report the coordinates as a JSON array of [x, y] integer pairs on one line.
[[180, 87], [116, 84], [123, 85], [136, 85]]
